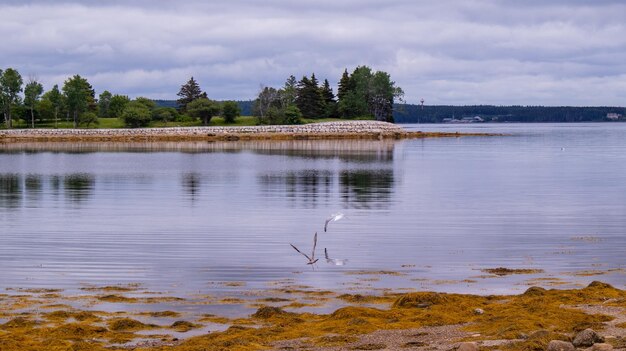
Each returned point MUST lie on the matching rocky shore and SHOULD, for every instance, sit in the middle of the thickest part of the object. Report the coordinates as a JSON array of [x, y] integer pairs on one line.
[[314, 131], [102, 318]]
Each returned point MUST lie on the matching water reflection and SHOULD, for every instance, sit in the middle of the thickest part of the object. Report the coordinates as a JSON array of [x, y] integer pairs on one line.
[[346, 150], [14, 188], [10, 191], [79, 187], [462, 204], [191, 185], [358, 188], [365, 189], [33, 186], [305, 187]]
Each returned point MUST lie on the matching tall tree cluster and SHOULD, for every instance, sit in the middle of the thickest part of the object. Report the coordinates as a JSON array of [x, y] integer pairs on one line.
[[367, 93], [363, 93]]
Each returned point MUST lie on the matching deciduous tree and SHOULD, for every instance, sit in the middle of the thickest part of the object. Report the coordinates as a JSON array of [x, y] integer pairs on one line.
[[267, 99], [204, 109], [55, 98], [136, 115], [165, 114], [10, 87], [104, 104], [79, 95], [117, 105], [32, 93], [230, 111]]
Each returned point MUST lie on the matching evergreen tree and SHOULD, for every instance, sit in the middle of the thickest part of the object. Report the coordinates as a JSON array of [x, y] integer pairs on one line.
[[344, 85], [189, 92], [330, 105], [309, 99], [289, 91], [367, 93]]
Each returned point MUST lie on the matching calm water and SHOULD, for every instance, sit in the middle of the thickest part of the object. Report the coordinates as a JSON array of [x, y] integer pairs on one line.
[[185, 217]]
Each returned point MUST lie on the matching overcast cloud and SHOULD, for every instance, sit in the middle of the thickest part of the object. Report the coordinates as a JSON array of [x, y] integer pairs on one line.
[[447, 52]]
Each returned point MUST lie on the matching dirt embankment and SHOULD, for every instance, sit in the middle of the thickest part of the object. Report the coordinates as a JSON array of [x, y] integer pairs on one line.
[[314, 131]]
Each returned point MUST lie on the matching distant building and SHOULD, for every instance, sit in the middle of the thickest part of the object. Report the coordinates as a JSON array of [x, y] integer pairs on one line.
[[474, 119], [613, 116]]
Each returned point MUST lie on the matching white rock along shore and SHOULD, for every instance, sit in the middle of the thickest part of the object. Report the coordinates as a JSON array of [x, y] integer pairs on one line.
[[325, 130]]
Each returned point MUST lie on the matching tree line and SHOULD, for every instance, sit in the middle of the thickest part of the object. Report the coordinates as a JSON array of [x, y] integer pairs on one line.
[[364, 93], [75, 102], [522, 114]]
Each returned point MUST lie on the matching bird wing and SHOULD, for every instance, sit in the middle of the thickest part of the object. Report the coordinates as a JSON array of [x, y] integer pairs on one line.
[[314, 246], [333, 218], [305, 255]]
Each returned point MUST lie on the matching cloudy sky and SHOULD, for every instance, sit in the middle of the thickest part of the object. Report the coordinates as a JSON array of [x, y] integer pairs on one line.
[[448, 52]]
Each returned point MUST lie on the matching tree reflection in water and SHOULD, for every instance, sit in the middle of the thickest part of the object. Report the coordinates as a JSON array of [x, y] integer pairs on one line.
[[10, 191], [191, 185], [367, 188], [78, 186], [359, 188]]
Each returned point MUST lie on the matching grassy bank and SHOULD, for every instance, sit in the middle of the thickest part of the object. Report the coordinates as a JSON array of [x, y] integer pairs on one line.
[[114, 123], [43, 320]]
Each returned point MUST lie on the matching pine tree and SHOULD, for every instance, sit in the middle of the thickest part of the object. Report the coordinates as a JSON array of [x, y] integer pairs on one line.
[[344, 85], [189, 92], [328, 97], [289, 93], [309, 99]]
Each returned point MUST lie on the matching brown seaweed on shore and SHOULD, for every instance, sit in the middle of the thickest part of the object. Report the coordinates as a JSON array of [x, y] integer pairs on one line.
[[538, 315]]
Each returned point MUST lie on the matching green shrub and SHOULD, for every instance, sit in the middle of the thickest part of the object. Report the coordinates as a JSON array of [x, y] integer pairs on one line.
[[136, 116]]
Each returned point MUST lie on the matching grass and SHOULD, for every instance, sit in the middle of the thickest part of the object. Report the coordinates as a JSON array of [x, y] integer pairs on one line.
[[114, 123]]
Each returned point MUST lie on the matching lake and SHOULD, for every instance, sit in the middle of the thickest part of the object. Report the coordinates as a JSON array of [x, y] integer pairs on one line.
[[421, 214]]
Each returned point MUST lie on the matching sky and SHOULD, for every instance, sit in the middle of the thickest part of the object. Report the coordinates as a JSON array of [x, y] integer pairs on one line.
[[497, 52]]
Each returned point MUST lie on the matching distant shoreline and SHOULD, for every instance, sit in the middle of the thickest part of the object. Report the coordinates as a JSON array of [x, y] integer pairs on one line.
[[371, 130]]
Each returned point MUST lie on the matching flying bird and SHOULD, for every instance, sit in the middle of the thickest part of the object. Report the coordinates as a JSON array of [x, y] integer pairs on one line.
[[333, 218], [335, 261], [311, 258]]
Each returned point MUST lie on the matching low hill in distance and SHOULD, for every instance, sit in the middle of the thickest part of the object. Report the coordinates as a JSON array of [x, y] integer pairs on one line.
[[408, 113], [245, 106]]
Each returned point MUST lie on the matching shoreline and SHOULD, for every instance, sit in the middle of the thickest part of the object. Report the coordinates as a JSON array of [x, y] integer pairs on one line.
[[353, 130], [131, 317]]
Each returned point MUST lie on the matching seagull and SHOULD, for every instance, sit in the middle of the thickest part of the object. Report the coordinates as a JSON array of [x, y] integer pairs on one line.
[[335, 261], [311, 259], [333, 218]]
